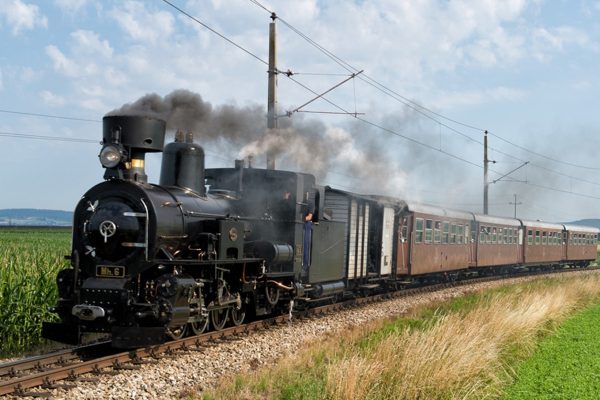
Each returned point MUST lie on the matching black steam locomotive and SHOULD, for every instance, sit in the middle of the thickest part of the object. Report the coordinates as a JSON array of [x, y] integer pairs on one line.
[[201, 248]]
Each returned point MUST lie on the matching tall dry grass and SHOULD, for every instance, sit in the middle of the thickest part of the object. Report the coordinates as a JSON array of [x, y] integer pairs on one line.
[[459, 355]]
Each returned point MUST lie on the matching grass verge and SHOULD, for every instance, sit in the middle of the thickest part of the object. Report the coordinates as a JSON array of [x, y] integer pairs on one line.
[[461, 349]]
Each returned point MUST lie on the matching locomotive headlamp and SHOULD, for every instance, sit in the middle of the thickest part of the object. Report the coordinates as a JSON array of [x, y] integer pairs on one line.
[[111, 156]]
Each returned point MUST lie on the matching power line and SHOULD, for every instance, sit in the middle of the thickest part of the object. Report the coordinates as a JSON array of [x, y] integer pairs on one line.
[[216, 32], [48, 116], [49, 138], [544, 156], [408, 102], [322, 97], [421, 109]]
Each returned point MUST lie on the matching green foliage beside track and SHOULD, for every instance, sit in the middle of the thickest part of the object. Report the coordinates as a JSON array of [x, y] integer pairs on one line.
[[565, 366], [29, 261]]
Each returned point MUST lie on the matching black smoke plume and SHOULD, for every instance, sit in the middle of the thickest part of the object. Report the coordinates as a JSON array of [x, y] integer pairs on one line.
[[299, 144]]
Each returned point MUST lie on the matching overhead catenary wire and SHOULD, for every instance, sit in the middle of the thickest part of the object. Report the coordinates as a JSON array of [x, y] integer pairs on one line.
[[352, 71], [49, 138], [48, 116], [427, 112], [350, 113]]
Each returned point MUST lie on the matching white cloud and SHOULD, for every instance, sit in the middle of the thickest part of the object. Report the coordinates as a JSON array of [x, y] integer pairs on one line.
[[89, 42], [51, 99], [61, 62], [548, 41], [29, 75], [471, 98], [71, 6], [21, 16], [141, 24]]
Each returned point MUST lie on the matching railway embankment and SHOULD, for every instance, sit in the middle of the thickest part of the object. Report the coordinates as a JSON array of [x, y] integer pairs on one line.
[[466, 345]]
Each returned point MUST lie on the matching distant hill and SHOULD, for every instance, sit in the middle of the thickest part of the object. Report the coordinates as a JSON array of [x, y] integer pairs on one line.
[[35, 217], [594, 223]]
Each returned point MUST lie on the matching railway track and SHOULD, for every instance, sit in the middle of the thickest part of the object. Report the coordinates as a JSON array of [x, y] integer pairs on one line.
[[63, 369]]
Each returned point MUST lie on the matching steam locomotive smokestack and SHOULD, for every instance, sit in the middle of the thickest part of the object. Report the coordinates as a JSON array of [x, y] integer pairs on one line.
[[126, 140], [183, 164]]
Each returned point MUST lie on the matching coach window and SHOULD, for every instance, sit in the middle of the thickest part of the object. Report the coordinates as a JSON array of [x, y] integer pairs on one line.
[[418, 230], [467, 234], [538, 237], [446, 232], [437, 232], [494, 237], [460, 233], [482, 234], [529, 237], [452, 233], [544, 238], [428, 230]]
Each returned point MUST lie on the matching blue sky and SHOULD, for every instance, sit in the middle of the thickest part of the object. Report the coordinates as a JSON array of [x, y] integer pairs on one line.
[[527, 71]]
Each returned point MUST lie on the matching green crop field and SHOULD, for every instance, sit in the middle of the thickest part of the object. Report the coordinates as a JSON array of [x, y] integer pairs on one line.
[[30, 258], [565, 366]]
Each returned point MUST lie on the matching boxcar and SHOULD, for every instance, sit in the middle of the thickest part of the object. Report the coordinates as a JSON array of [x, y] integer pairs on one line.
[[369, 234]]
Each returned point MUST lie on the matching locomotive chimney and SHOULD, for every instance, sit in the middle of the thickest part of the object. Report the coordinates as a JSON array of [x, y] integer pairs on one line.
[[125, 142], [183, 164]]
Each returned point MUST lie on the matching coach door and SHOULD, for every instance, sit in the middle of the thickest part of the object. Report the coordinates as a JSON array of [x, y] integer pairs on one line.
[[387, 242], [404, 239]]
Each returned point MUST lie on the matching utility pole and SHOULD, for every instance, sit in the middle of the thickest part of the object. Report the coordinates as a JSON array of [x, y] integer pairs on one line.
[[515, 204], [485, 174], [272, 95]]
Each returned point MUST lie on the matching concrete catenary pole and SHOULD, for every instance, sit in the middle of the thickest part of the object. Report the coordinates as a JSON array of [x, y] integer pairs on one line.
[[272, 95], [485, 173]]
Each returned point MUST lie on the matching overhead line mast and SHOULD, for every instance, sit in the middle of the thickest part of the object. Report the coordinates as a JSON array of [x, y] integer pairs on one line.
[[272, 90]]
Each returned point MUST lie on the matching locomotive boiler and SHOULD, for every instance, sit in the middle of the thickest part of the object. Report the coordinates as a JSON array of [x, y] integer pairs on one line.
[[199, 249]]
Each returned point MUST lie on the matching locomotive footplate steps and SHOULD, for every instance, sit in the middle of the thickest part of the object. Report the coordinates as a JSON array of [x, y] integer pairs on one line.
[[370, 286], [131, 337], [68, 334]]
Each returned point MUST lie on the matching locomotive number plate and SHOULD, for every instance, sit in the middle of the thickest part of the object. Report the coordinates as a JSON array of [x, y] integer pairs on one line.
[[110, 271]]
